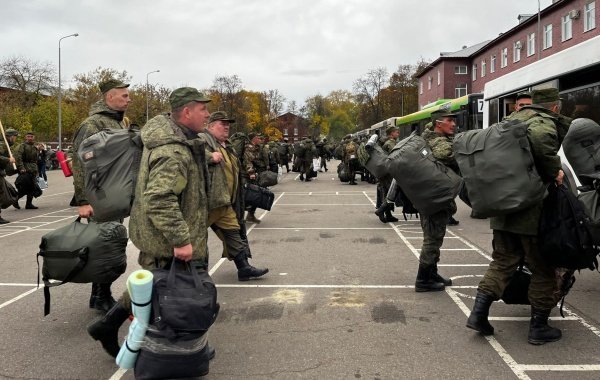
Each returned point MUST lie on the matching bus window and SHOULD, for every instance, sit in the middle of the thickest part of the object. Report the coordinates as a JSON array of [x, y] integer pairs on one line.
[[582, 102]]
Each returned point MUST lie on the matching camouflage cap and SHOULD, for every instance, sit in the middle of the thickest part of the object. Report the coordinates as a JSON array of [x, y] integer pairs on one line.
[[11, 132], [109, 84], [220, 115], [545, 95], [436, 115], [523, 95], [185, 95], [391, 129]]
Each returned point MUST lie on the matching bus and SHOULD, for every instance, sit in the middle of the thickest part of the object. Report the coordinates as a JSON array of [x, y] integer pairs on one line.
[[469, 109]]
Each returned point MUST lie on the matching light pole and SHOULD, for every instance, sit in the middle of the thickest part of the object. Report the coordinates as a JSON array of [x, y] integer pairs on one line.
[[60, 93], [147, 90]]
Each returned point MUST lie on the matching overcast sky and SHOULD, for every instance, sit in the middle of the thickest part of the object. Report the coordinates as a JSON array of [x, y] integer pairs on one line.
[[301, 48]]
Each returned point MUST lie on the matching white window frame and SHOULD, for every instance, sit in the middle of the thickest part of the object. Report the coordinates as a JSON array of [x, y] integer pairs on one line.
[[483, 66], [517, 51], [530, 44], [589, 16], [460, 91], [295, 131], [566, 28], [439, 81], [548, 36], [493, 63], [474, 72], [458, 71], [285, 131], [421, 87], [429, 81], [504, 58]]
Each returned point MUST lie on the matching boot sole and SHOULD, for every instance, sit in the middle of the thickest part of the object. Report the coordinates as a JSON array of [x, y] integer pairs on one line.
[[540, 342], [481, 331], [422, 290], [252, 277]]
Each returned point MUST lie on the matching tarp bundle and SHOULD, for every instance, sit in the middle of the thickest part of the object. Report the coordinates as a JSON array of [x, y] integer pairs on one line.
[[139, 286], [582, 148]]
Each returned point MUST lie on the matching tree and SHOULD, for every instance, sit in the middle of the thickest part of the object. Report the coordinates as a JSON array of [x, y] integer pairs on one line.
[[30, 79], [226, 93], [86, 91], [158, 102], [367, 91]]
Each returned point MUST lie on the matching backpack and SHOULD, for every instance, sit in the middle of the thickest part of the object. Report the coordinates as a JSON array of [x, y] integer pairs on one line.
[[429, 184], [343, 173], [111, 162], [82, 253], [282, 149], [238, 143], [498, 168], [582, 148], [299, 149], [564, 237]]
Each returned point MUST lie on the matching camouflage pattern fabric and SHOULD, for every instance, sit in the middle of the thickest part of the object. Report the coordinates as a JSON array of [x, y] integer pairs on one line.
[[441, 148], [26, 156]]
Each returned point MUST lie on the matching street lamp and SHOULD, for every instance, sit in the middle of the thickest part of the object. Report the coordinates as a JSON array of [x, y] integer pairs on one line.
[[60, 92], [147, 106]]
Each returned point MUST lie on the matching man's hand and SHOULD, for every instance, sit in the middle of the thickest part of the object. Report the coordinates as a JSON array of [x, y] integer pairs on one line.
[[12, 160], [183, 253], [86, 211], [252, 176], [217, 157], [559, 177]]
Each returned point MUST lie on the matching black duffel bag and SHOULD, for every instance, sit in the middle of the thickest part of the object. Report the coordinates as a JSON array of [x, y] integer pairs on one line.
[[8, 193], [517, 289], [172, 360], [257, 196], [267, 178], [26, 184]]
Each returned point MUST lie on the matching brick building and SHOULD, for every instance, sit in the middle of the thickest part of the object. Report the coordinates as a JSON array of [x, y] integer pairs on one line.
[[560, 50], [292, 126]]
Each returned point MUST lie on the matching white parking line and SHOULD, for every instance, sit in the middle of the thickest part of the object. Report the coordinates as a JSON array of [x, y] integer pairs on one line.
[[18, 297], [325, 204]]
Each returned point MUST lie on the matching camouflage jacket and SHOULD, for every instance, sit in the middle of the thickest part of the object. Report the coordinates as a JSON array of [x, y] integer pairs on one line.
[[218, 194], [252, 161], [26, 156], [310, 150], [546, 132], [100, 117], [170, 206], [4, 159], [441, 148], [388, 145]]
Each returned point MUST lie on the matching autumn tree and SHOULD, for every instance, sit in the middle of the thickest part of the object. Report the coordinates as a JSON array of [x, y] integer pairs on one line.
[[30, 79], [367, 90]]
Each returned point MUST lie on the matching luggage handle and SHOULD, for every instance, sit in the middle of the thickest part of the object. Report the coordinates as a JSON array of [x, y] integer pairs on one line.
[[184, 266]]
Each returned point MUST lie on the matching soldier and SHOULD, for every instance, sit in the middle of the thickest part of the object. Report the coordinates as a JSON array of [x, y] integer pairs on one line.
[[7, 161], [384, 208], [523, 99], [323, 154], [26, 155], [169, 213], [515, 234], [439, 139], [274, 160], [253, 163], [350, 159], [226, 196], [107, 113], [306, 161], [285, 152]]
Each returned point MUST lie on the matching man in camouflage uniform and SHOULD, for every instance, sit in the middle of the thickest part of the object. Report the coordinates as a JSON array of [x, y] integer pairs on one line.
[[285, 153], [26, 156], [274, 160], [439, 139], [7, 161], [226, 196], [384, 208], [323, 154], [515, 234], [253, 164], [306, 161], [169, 213], [107, 113], [350, 159]]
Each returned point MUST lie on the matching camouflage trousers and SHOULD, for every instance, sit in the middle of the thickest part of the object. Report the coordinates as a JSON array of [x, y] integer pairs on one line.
[[508, 248], [434, 230]]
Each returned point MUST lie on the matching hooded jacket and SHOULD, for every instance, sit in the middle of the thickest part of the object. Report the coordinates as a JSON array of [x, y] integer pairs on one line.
[[170, 206], [100, 118]]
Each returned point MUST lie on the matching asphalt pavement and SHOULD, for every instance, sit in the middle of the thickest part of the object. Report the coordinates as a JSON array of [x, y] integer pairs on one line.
[[338, 302]]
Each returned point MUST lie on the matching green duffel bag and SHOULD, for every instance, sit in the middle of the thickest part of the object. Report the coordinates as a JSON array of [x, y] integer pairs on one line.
[[428, 184], [582, 148], [82, 253], [267, 178]]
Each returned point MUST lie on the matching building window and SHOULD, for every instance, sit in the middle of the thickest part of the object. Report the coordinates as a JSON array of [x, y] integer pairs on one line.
[[567, 28], [517, 51], [460, 90], [548, 36], [589, 16], [493, 64], [421, 87], [295, 131], [285, 131], [429, 80], [530, 44], [459, 70], [504, 57], [439, 77], [474, 72], [483, 64]]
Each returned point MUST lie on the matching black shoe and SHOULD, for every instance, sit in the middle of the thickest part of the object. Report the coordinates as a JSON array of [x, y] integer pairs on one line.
[[104, 300], [425, 283], [539, 330], [389, 217], [307, 180], [245, 270], [478, 320], [452, 221], [251, 218], [16, 205], [3, 221], [210, 351], [382, 211], [437, 278], [106, 330], [31, 207]]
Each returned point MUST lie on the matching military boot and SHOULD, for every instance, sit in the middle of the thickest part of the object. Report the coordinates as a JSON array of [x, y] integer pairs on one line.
[[382, 210], [245, 270], [389, 217], [104, 300], [478, 320], [539, 330], [252, 218], [106, 330], [29, 205], [302, 177], [437, 278], [93, 296], [3, 221], [424, 282]]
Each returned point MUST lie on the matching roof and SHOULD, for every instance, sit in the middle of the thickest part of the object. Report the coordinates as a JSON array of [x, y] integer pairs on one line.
[[465, 52]]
